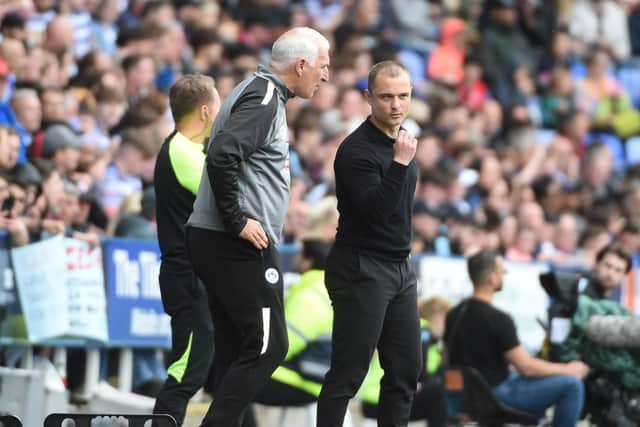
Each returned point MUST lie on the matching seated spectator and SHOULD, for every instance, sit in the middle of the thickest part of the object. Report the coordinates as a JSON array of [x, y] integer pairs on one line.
[[559, 99], [208, 50], [9, 147], [473, 91], [524, 246], [446, 62], [601, 96], [485, 338], [560, 54], [503, 45], [601, 22], [562, 250], [62, 146], [123, 174], [8, 219], [69, 214]]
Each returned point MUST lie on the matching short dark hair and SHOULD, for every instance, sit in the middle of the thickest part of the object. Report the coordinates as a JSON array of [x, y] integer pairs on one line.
[[188, 93], [617, 250], [481, 265], [390, 68]]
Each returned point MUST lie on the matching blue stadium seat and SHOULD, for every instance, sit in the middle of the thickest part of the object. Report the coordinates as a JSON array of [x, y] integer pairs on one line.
[[629, 77], [633, 150]]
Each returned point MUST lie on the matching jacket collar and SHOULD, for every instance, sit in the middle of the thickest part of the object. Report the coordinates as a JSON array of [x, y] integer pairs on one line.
[[283, 91]]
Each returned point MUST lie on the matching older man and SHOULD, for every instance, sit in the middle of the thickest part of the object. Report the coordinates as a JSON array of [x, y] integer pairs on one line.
[[238, 216]]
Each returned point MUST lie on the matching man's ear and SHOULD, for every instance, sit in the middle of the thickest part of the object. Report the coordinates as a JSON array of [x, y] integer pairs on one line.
[[368, 96], [300, 64]]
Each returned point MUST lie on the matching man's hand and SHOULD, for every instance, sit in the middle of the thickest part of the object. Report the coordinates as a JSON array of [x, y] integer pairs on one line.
[[254, 233], [577, 369], [405, 147]]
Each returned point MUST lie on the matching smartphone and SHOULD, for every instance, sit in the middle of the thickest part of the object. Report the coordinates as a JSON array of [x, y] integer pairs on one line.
[[7, 204]]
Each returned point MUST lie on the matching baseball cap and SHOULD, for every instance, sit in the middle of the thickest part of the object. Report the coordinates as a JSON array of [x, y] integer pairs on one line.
[[59, 136]]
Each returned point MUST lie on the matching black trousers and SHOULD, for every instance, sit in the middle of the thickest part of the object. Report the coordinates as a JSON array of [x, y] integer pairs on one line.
[[185, 300], [275, 393], [375, 305], [245, 297], [428, 404]]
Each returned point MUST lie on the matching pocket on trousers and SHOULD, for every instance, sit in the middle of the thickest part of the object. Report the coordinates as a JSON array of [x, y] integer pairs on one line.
[[343, 267]]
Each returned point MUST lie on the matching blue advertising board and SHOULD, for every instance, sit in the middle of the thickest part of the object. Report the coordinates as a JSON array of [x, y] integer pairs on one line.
[[134, 306]]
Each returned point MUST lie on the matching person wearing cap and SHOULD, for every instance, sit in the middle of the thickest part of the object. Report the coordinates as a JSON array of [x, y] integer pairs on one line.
[[369, 278], [238, 217], [62, 146], [194, 105]]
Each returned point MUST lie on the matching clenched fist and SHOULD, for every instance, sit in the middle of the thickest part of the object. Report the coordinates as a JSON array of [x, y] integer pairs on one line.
[[405, 147]]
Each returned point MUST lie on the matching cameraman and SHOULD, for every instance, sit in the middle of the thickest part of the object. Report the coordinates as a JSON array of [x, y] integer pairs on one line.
[[613, 263]]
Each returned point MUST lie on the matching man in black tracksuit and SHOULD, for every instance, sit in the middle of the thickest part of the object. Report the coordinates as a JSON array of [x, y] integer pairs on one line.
[[194, 105], [368, 276], [238, 216]]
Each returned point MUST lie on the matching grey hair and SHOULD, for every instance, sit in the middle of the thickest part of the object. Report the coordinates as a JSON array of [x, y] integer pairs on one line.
[[300, 42]]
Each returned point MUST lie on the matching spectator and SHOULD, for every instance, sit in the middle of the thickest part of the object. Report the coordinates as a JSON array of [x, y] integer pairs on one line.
[[208, 51], [559, 99], [599, 94], [485, 338], [140, 73], [13, 27], [9, 146], [446, 62], [559, 54], [53, 106], [59, 37], [602, 23], [39, 19], [502, 46], [562, 250], [123, 175], [62, 146], [473, 91], [26, 105], [524, 246], [104, 31]]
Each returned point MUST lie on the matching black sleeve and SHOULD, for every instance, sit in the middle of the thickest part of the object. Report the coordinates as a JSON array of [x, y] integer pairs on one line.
[[372, 194], [244, 131], [506, 336]]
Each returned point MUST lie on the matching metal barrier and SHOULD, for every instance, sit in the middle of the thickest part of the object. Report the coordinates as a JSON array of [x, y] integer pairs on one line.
[[109, 420], [10, 421]]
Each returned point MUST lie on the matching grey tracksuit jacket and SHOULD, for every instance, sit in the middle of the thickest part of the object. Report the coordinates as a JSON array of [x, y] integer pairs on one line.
[[246, 173]]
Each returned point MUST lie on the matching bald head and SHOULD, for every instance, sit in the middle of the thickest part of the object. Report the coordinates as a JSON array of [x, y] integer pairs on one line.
[[59, 35]]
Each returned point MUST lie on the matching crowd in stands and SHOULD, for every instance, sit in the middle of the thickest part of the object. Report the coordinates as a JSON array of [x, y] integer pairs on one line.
[[526, 111]]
